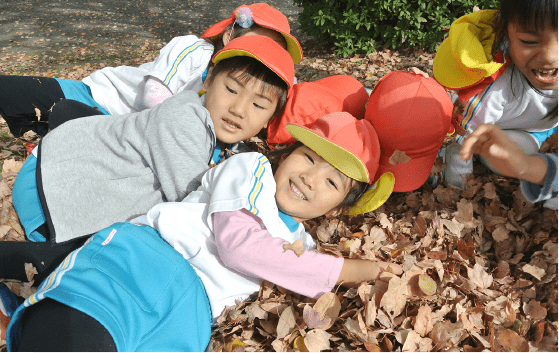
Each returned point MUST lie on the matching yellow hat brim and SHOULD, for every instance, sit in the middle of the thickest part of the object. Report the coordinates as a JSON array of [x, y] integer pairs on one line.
[[375, 196], [339, 157], [464, 57]]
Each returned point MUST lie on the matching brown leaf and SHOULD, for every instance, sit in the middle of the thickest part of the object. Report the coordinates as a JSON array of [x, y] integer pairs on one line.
[[297, 247], [399, 157], [511, 341], [287, 322], [328, 306], [534, 271], [423, 323], [313, 320], [317, 340], [534, 310], [394, 300], [479, 277]]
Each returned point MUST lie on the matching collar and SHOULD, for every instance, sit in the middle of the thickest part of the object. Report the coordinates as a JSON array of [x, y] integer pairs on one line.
[[291, 224]]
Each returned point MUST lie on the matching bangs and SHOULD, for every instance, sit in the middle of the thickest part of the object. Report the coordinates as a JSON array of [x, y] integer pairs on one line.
[[247, 69], [532, 15]]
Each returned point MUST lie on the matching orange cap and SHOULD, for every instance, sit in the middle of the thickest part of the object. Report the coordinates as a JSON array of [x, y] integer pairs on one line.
[[309, 101], [411, 115], [266, 16], [263, 49]]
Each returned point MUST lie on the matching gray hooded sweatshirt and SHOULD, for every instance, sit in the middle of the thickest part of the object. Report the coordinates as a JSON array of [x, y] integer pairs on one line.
[[98, 170]]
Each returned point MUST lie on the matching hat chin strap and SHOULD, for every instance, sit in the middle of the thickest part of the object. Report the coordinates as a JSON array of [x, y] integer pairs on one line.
[[375, 196]]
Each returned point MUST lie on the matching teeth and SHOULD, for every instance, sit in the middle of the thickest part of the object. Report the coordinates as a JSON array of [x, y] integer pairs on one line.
[[297, 192]]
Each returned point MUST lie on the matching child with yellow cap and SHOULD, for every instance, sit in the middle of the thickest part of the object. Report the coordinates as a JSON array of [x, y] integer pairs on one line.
[[503, 63], [241, 227]]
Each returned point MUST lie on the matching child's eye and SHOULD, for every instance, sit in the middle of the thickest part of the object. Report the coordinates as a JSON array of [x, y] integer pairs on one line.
[[258, 106], [231, 90], [310, 158], [528, 42], [333, 183]]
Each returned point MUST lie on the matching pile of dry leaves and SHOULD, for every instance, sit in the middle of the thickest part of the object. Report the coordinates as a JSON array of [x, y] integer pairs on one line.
[[479, 265]]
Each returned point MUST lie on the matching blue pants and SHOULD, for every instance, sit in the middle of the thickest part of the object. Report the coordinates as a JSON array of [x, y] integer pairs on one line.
[[136, 285]]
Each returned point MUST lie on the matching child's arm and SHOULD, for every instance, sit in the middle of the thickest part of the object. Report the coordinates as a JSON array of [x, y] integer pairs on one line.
[[179, 66], [502, 153], [154, 92], [245, 246]]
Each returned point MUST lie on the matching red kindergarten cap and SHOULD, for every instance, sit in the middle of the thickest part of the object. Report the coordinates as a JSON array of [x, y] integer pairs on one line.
[[352, 147], [263, 49], [266, 16], [411, 115], [308, 101]]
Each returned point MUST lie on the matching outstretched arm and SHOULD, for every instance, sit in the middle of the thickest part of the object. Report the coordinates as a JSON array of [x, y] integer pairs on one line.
[[506, 156]]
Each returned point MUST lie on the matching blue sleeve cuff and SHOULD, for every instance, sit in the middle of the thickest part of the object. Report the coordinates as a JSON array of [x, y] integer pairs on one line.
[[536, 193]]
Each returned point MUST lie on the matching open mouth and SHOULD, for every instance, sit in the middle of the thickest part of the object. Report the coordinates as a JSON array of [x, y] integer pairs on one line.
[[546, 76], [297, 192], [231, 124]]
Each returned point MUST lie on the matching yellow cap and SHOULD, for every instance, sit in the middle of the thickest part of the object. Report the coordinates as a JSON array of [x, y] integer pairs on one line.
[[464, 58]]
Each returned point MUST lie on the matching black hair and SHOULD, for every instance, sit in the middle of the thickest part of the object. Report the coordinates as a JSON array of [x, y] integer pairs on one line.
[[358, 188], [536, 15], [246, 69]]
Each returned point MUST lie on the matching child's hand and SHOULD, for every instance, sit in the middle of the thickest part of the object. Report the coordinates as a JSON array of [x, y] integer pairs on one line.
[[355, 271], [503, 154]]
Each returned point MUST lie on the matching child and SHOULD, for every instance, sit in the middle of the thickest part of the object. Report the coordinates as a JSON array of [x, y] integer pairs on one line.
[[182, 65], [233, 231], [537, 173], [95, 171], [309, 101], [504, 66]]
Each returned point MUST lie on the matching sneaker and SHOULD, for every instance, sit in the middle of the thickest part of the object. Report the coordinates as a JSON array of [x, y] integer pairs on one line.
[[9, 302]]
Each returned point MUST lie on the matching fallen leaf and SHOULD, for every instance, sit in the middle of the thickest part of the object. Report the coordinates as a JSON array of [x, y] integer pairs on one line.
[[328, 306], [313, 320], [479, 277], [399, 157], [317, 340], [287, 322], [534, 271], [394, 300], [427, 285], [423, 323], [297, 247], [534, 310], [511, 341]]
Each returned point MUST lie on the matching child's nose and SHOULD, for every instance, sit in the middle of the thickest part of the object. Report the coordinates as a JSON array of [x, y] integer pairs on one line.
[[548, 54], [238, 108]]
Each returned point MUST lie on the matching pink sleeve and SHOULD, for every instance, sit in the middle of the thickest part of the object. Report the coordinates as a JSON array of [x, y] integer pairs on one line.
[[154, 93], [244, 245]]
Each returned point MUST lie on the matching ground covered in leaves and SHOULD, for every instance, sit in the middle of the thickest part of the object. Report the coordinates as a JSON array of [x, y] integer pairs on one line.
[[480, 265]]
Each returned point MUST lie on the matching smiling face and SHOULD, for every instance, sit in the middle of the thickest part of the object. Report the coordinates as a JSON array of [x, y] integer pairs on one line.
[[534, 53], [307, 186], [238, 109]]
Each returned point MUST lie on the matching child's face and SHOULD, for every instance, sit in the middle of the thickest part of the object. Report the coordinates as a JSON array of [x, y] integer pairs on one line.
[[535, 55], [238, 110], [308, 186]]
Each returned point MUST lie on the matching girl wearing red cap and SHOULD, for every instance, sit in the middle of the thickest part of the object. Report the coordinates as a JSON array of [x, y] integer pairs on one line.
[[181, 65], [235, 231], [504, 66]]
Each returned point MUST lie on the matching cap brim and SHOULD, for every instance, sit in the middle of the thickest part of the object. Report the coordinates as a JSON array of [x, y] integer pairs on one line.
[[340, 158], [293, 48], [411, 175], [447, 71], [226, 54], [375, 196]]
